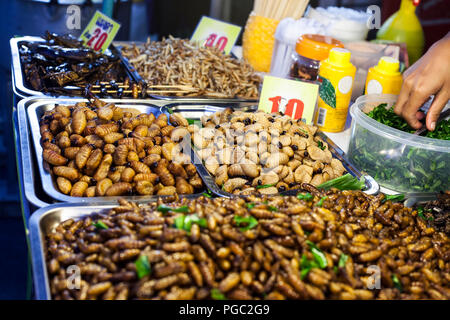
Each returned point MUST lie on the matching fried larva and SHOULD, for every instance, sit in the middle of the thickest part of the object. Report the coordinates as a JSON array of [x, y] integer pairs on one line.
[[78, 189], [54, 158], [78, 121], [64, 185], [83, 156], [103, 145], [119, 189], [66, 172]]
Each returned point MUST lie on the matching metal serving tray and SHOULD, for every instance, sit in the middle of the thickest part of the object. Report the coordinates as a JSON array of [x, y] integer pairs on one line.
[[39, 183], [44, 221], [19, 87], [22, 91], [372, 186], [19, 84]]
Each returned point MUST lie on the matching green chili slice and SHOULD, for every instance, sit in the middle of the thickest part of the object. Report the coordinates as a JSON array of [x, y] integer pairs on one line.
[[250, 222], [164, 209], [305, 196], [100, 225], [142, 266], [217, 295]]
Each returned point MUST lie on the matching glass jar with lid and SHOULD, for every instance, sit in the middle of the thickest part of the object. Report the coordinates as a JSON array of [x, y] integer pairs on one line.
[[309, 51]]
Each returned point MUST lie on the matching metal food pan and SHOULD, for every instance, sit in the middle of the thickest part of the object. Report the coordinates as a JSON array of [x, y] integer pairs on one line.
[[372, 186], [41, 179], [21, 90], [20, 87], [44, 221]]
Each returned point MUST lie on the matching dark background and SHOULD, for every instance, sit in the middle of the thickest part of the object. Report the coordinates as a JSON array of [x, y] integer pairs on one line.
[[157, 18]]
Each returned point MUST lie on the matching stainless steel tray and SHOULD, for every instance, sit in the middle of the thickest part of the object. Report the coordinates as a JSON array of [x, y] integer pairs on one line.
[[38, 181], [44, 221], [22, 91], [19, 85], [372, 187], [18, 80]]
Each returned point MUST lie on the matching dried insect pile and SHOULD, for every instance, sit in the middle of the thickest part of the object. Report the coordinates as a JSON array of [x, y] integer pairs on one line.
[[100, 149], [316, 245], [268, 153], [180, 62], [63, 61]]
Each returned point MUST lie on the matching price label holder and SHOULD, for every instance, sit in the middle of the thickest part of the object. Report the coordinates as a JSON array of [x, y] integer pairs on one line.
[[215, 33], [294, 98], [100, 32]]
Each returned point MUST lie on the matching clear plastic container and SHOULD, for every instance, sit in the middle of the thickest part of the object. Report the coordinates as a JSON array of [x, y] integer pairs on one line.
[[397, 160]]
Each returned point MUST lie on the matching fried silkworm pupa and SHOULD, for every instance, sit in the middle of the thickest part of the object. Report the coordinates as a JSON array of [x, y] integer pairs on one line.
[[78, 189], [71, 152], [105, 113], [103, 168], [144, 187], [113, 137], [167, 191], [66, 172], [152, 177], [127, 175], [83, 156], [77, 140], [64, 185], [94, 160], [178, 120], [103, 129], [90, 192], [78, 121], [120, 155], [54, 158], [119, 189], [64, 110], [165, 176], [109, 148], [183, 187], [102, 186]]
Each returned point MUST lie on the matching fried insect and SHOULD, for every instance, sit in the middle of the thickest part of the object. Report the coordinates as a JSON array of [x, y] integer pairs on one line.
[[103, 145], [54, 158]]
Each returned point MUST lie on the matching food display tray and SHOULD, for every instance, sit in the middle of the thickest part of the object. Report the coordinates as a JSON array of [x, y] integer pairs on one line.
[[43, 221], [39, 183], [21, 90], [19, 87], [372, 186]]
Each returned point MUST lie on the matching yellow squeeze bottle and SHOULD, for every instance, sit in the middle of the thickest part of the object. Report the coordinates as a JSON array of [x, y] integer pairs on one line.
[[385, 77], [336, 75], [404, 26]]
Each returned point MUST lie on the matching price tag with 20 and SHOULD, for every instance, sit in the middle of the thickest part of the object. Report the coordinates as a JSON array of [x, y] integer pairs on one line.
[[294, 98], [100, 32], [214, 33]]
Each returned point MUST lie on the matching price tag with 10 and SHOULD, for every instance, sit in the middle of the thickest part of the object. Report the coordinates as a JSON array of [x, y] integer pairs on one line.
[[100, 32], [294, 98], [214, 33]]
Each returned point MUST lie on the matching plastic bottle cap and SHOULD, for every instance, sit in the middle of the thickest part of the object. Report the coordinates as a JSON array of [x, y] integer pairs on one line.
[[388, 65], [339, 56], [315, 46]]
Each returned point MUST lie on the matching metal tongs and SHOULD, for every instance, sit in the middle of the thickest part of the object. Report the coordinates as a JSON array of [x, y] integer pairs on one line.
[[442, 116]]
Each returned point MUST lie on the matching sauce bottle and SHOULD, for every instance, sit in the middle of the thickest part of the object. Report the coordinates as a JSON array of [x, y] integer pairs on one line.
[[385, 77], [336, 75], [404, 26]]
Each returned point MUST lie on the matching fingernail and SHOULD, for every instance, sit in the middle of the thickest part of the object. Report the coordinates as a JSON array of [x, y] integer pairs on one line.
[[433, 126]]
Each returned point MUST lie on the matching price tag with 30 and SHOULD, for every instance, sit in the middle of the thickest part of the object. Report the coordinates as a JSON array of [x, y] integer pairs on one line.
[[100, 32], [294, 98], [214, 33]]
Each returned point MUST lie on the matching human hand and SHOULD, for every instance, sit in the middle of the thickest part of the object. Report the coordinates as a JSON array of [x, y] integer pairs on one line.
[[429, 75]]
